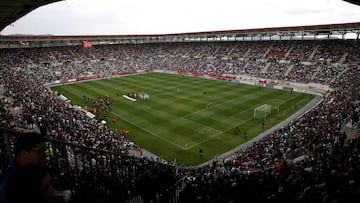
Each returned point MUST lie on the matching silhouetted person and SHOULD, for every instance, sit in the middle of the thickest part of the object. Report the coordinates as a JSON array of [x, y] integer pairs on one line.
[[147, 186], [29, 149], [30, 183]]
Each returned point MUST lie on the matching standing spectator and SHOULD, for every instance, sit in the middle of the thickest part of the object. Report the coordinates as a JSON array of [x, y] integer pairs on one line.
[[29, 149]]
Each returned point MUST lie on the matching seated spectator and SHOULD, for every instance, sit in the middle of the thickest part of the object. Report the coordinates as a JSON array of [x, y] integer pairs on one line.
[[31, 183], [29, 149]]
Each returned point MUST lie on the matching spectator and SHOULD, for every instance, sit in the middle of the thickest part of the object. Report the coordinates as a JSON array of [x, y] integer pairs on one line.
[[31, 183], [29, 149]]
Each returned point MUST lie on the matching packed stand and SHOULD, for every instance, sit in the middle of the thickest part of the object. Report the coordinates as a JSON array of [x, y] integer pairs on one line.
[[325, 169], [264, 171]]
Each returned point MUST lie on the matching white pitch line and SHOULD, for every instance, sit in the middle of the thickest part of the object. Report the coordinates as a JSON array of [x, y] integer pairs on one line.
[[217, 134], [146, 130], [183, 117]]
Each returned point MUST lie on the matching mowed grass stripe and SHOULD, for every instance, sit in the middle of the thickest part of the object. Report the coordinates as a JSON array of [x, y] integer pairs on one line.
[[223, 121], [228, 111], [101, 89], [147, 130], [216, 122], [183, 123], [172, 123], [203, 130], [185, 111]]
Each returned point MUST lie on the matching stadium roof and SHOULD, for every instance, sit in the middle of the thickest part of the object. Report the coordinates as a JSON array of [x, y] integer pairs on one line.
[[12, 10], [357, 2], [331, 31]]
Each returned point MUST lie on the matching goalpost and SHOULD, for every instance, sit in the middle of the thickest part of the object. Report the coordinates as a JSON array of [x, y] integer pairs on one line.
[[262, 111]]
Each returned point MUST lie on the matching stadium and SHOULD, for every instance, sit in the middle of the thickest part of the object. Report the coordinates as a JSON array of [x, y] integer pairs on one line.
[[267, 114]]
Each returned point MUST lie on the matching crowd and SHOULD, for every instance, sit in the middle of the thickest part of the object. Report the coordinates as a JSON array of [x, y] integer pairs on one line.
[[328, 171], [269, 169]]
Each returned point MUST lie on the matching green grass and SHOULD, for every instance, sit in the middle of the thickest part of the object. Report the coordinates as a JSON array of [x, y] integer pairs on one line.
[[186, 114]]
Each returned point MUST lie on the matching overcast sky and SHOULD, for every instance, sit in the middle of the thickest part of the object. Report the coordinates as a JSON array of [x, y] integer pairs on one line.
[[95, 17]]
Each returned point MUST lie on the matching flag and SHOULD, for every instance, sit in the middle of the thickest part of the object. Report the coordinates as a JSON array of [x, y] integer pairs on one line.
[[87, 44]]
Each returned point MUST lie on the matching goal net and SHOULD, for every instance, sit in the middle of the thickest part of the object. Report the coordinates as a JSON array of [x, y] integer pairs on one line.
[[262, 111]]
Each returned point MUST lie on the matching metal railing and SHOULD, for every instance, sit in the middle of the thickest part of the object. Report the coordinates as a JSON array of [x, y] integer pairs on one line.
[[99, 176]]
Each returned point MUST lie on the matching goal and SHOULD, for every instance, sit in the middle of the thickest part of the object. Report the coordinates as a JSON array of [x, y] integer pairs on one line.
[[262, 111]]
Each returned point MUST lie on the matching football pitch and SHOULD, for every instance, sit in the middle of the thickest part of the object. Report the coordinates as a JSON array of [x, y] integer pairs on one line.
[[184, 115]]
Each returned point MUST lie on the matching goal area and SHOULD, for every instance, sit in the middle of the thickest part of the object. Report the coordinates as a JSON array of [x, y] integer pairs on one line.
[[262, 111]]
